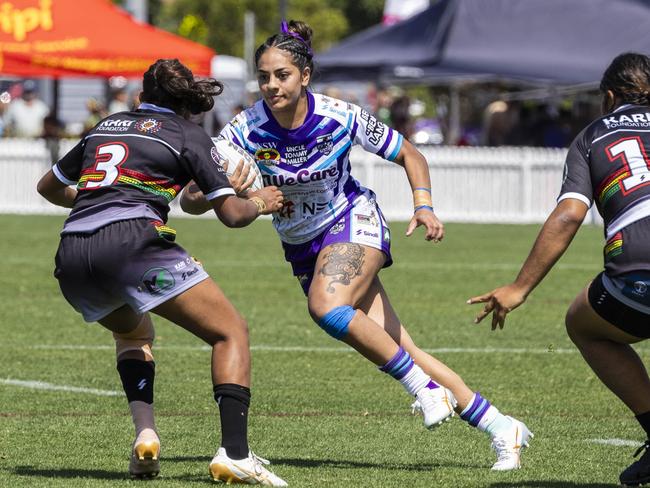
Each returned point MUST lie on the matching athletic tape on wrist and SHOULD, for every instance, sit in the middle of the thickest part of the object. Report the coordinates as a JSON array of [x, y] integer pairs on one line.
[[424, 207], [259, 203], [422, 198]]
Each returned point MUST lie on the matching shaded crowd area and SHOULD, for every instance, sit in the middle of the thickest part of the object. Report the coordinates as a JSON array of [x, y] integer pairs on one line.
[[486, 115]]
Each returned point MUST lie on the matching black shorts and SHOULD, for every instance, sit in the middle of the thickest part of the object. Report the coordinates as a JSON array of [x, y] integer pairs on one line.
[[617, 313], [129, 262]]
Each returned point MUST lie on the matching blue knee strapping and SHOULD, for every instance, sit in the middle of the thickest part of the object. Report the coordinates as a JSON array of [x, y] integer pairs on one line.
[[336, 321]]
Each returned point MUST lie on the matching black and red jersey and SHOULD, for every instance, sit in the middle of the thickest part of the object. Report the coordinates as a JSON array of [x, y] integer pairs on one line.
[[133, 164], [608, 163]]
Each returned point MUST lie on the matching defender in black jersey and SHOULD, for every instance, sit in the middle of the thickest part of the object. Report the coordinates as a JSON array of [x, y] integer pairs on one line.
[[608, 163], [117, 259]]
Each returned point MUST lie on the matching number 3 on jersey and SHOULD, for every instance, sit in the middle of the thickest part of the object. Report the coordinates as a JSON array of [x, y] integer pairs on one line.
[[635, 160], [108, 157]]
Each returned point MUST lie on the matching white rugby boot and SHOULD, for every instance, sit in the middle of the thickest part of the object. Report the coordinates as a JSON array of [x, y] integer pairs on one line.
[[508, 445], [145, 456], [436, 405], [250, 470]]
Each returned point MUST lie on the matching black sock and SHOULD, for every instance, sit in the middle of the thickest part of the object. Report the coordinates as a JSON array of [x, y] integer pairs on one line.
[[644, 420], [233, 401], [137, 379]]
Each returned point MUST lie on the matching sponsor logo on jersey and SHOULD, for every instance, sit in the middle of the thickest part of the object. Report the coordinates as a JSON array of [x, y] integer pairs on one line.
[[361, 232], [325, 144], [148, 126], [312, 208], [253, 121], [287, 210], [640, 287], [267, 155], [632, 120], [337, 228], [214, 153], [367, 219], [184, 263], [374, 128], [115, 125], [295, 155], [303, 176], [334, 106], [363, 219], [157, 280], [386, 235], [187, 274]]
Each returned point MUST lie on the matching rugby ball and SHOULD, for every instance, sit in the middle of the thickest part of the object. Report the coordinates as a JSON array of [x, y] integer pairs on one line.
[[229, 154]]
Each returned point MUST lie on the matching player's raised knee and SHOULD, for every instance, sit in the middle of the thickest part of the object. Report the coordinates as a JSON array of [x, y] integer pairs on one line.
[[336, 321]]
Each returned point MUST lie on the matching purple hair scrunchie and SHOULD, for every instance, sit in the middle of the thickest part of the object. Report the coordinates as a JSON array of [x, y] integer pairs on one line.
[[284, 28]]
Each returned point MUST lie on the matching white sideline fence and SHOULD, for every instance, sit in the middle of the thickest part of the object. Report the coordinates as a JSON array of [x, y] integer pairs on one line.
[[469, 184]]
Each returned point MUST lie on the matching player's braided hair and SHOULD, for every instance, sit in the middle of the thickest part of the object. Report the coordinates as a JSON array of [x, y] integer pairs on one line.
[[628, 76], [298, 45], [169, 83]]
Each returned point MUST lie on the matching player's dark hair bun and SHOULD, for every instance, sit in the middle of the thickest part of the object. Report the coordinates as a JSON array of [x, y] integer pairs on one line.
[[302, 29], [297, 42], [169, 83], [628, 77]]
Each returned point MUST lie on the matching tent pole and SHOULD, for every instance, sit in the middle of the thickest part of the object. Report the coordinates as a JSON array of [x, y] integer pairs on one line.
[[55, 97], [454, 115]]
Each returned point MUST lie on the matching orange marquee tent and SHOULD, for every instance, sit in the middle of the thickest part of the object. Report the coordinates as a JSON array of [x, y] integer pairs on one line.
[[57, 38]]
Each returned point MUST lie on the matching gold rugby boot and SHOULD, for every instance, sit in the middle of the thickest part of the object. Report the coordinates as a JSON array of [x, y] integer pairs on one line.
[[145, 459]]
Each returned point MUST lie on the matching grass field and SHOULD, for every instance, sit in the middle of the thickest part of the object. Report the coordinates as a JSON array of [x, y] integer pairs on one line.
[[323, 415]]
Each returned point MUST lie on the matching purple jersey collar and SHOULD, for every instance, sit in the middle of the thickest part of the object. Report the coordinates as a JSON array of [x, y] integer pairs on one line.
[[291, 132]]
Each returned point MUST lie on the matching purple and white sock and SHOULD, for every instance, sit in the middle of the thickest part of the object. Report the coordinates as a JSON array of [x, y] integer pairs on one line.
[[480, 413], [410, 375]]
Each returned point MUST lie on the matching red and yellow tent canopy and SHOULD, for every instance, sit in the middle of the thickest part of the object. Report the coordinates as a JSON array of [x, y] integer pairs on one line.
[[86, 38]]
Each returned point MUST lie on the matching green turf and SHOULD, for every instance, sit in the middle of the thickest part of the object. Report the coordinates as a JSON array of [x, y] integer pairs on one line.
[[324, 418]]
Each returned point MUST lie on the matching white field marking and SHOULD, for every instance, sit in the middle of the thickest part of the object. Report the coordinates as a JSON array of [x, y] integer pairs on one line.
[[40, 385], [615, 442], [468, 350]]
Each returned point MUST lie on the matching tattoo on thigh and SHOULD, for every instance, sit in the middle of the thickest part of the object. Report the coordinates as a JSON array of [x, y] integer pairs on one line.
[[342, 263]]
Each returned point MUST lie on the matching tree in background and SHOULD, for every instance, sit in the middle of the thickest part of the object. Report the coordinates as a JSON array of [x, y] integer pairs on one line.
[[220, 25], [361, 14]]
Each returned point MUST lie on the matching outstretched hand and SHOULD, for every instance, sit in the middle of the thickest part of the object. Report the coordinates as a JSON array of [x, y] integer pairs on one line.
[[499, 302], [434, 229]]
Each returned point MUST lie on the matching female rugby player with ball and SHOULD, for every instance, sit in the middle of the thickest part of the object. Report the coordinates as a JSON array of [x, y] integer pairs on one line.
[[117, 261], [334, 234]]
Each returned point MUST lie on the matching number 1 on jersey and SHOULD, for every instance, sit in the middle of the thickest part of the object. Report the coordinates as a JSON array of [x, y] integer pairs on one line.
[[634, 157], [107, 158]]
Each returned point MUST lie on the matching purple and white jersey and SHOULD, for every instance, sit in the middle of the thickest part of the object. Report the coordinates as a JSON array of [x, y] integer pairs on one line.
[[310, 164]]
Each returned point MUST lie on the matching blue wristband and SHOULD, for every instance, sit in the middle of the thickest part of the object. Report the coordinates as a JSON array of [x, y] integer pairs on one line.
[[423, 207], [422, 188]]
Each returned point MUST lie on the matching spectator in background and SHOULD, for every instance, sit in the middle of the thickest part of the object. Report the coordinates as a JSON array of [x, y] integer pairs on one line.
[[497, 123], [384, 102], [135, 99], [96, 112], [25, 115], [400, 117], [53, 131], [558, 132], [4, 104], [119, 102]]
